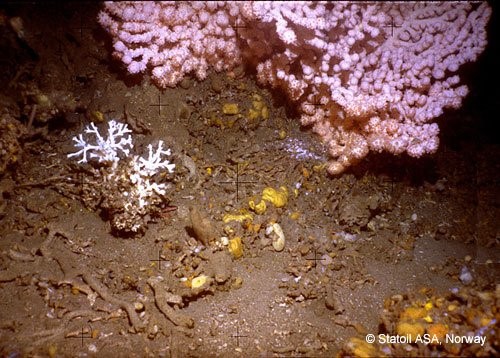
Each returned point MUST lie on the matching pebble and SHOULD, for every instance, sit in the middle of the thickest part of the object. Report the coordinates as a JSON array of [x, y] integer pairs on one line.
[[217, 85], [440, 186], [441, 230], [185, 83], [332, 303], [326, 260], [300, 298], [237, 282], [465, 276], [304, 249], [239, 71]]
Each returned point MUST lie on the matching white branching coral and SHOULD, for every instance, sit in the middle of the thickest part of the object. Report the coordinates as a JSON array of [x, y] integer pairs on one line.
[[126, 188], [144, 169], [105, 150], [154, 163]]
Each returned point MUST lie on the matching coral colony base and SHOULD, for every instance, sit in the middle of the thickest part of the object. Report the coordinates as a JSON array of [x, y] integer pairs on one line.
[[366, 76], [124, 187]]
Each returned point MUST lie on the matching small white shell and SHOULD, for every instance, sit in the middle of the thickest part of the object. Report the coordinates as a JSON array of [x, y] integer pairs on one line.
[[277, 235]]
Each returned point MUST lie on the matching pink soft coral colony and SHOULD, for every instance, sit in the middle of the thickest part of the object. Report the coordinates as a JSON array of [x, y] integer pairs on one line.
[[365, 76]]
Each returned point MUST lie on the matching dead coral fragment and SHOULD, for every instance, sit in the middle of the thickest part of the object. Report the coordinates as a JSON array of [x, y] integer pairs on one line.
[[162, 296], [10, 148]]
